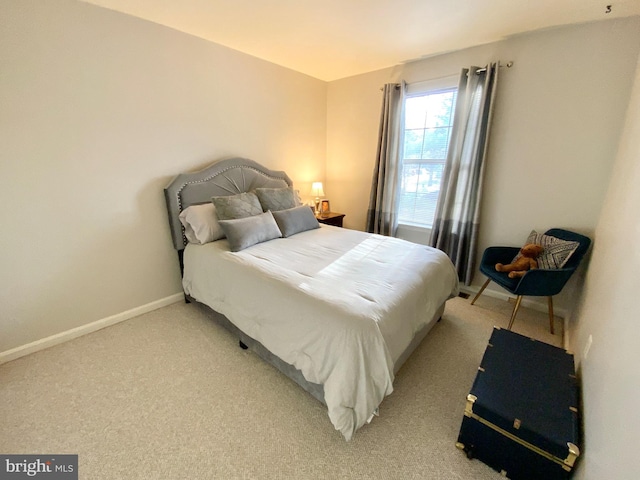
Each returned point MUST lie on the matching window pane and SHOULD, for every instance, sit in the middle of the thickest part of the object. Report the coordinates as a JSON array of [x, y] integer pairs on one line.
[[439, 111], [415, 112], [428, 123], [413, 140], [436, 141]]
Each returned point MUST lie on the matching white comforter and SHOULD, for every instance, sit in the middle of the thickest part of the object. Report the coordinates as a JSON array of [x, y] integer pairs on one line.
[[340, 305]]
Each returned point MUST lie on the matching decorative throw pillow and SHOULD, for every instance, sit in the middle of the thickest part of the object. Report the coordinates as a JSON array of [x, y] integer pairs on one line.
[[200, 223], [276, 199], [556, 251], [245, 232], [241, 205], [295, 220]]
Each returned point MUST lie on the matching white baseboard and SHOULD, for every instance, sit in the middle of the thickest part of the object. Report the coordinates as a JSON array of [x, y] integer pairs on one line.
[[528, 302], [67, 335]]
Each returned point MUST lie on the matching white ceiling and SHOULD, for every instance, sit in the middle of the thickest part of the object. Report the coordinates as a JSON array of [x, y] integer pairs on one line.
[[332, 39]]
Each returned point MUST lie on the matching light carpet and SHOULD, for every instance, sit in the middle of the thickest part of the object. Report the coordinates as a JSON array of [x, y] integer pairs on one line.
[[170, 395]]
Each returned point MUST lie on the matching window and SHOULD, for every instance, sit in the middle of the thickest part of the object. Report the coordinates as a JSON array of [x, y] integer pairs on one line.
[[428, 119]]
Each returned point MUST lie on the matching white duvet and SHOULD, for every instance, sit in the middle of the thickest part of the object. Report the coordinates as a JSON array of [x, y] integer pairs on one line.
[[340, 305]]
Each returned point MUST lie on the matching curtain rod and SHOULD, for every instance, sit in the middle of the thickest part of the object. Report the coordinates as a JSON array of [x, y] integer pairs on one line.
[[509, 64]]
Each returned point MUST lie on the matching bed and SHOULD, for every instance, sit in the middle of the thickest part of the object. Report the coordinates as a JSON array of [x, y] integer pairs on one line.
[[336, 310]]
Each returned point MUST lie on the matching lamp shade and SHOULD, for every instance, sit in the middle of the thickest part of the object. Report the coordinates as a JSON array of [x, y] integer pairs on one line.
[[316, 189]]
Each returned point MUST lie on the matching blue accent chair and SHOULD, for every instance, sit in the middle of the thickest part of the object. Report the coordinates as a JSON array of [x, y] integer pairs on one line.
[[534, 283]]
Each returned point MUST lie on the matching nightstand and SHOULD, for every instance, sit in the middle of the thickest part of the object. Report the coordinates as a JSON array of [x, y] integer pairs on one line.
[[331, 218]]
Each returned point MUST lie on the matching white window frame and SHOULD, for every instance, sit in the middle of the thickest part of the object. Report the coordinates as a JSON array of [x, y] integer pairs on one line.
[[411, 231]]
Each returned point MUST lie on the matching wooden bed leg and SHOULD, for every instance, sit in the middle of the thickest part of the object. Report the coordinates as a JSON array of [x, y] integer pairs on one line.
[[242, 345], [186, 298]]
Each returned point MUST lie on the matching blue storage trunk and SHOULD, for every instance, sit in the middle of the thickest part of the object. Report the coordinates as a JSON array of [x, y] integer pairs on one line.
[[521, 416]]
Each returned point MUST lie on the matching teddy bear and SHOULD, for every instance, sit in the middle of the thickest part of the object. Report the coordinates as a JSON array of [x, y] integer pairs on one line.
[[526, 260]]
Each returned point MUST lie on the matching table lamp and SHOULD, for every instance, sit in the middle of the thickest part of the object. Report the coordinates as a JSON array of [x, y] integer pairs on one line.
[[317, 191]]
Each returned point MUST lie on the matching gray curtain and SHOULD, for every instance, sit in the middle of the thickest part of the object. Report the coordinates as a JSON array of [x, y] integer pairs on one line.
[[455, 229], [382, 215]]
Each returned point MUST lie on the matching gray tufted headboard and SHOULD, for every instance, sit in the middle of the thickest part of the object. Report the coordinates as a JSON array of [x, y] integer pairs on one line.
[[224, 177]]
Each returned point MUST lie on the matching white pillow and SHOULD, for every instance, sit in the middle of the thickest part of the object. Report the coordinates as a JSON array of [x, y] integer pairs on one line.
[[201, 223]]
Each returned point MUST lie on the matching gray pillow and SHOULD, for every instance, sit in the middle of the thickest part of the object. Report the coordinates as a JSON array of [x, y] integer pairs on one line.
[[242, 205], [245, 232], [275, 199], [295, 220]]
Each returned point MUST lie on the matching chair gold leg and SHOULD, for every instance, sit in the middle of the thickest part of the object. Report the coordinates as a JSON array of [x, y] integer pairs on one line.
[[480, 291], [551, 315], [515, 311]]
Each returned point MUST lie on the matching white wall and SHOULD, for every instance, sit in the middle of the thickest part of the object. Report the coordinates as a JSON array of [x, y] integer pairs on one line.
[[98, 110], [559, 113], [608, 313]]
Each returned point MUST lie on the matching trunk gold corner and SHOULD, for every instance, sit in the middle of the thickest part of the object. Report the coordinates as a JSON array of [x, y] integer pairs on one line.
[[574, 453], [468, 409]]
